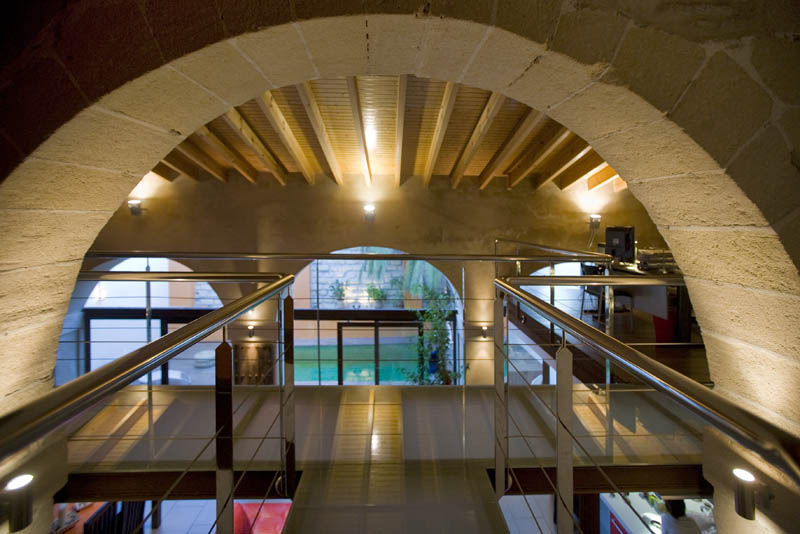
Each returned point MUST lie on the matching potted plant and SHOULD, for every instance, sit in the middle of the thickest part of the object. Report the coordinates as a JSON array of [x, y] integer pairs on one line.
[[376, 294], [337, 291]]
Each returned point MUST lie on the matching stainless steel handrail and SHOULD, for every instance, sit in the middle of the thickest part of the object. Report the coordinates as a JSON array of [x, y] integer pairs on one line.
[[595, 280], [40, 416], [172, 276], [596, 256], [303, 256], [774, 444]]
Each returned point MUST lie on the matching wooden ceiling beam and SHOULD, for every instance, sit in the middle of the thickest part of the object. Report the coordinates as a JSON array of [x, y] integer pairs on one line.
[[573, 150], [488, 115], [248, 136], [189, 150], [315, 116], [588, 165], [445, 111], [358, 123], [532, 120], [165, 171], [620, 184], [538, 152], [230, 156], [601, 177], [269, 107], [180, 163], [402, 91]]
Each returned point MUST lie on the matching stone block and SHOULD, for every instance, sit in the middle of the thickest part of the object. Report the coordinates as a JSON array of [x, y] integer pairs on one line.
[[29, 293], [168, 99], [723, 107], [765, 319], [183, 26], [394, 42], [49, 185], [241, 16], [38, 100], [549, 79], [655, 149], [38, 237], [765, 172], [602, 109], [751, 257], [338, 46], [589, 36], [29, 355], [100, 139], [697, 200], [533, 19], [789, 233], [447, 47], [766, 379], [281, 54], [503, 57], [119, 29], [225, 71], [655, 65], [776, 61]]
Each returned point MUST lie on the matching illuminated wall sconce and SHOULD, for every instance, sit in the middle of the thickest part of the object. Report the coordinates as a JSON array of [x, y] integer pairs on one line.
[[484, 332], [251, 330], [20, 498], [594, 221], [135, 205], [745, 496], [369, 212]]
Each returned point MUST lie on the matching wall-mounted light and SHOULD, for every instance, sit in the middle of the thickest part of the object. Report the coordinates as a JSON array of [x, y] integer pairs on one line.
[[484, 332], [594, 221], [369, 212], [251, 330], [135, 205], [745, 496], [20, 497]]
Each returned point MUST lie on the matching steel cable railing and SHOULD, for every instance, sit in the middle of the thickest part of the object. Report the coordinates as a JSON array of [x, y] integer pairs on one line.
[[773, 444], [34, 420]]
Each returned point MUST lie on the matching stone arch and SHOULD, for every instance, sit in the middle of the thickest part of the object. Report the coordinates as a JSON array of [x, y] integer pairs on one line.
[[688, 120]]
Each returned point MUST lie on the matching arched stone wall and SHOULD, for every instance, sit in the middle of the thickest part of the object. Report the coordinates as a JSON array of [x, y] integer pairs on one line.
[[703, 129]]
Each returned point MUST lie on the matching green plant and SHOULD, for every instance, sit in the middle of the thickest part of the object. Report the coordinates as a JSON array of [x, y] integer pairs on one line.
[[376, 293], [434, 343], [337, 289]]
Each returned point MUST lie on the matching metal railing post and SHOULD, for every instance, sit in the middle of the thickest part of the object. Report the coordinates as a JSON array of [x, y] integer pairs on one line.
[[223, 396], [500, 400], [288, 395], [564, 437]]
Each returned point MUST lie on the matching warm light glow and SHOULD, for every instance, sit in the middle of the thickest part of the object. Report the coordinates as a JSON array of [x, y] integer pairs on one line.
[[369, 209], [484, 331], [592, 202], [149, 186], [19, 482], [595, 216], [371, 135], [134, 202], [744, 474]]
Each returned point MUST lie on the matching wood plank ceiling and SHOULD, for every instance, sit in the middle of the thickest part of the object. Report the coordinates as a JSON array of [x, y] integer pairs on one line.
[[396, 126]]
